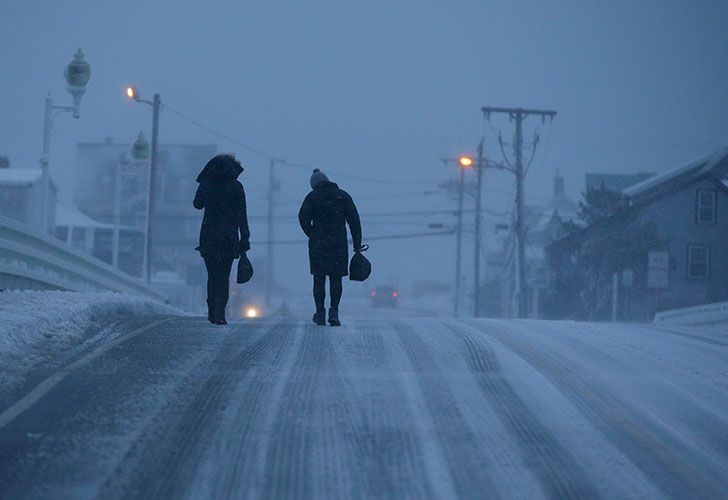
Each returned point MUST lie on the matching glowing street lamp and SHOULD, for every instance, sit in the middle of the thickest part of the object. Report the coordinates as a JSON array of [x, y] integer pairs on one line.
[[465, 161]]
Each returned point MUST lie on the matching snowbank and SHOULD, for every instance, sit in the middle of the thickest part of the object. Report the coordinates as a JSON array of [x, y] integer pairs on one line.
[[34, 326]]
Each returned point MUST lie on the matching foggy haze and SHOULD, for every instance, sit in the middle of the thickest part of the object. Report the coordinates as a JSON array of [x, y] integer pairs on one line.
[[378, 91]]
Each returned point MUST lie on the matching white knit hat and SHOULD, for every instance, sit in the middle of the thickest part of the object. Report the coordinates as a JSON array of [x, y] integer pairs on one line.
[[317, 177]]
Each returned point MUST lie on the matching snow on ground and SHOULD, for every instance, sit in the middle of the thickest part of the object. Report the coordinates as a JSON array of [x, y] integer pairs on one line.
[[36, 325]]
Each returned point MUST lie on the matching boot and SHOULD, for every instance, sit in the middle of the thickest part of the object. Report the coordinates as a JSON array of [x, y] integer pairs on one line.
[[219, 313], [319, 317], [334, 317], [210, 310]]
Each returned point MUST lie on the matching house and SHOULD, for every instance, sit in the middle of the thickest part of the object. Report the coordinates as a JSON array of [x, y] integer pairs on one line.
[[688, 207], [543, 224], [97, 238], [615, 182], [21, 195]]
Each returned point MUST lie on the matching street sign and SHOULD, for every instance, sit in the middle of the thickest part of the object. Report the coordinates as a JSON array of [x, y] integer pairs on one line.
[[658, 269]]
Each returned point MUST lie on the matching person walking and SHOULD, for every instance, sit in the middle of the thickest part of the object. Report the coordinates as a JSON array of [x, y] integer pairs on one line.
[[224, 234], [323, 216]]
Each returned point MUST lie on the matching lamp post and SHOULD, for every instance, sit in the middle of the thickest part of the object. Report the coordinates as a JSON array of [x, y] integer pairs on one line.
[[463, 162], [77, 74], [125, 167], [140, 151], [156, 104]]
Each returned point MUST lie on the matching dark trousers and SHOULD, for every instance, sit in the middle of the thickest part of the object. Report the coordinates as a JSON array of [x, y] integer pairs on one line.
[[319, 291], [218, 285]]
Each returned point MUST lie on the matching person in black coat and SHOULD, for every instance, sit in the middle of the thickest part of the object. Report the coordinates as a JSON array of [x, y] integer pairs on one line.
[[224, 234], [324, 214]]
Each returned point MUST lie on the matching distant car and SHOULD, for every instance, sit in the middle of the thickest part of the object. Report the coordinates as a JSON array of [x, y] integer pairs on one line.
[[384, 296]]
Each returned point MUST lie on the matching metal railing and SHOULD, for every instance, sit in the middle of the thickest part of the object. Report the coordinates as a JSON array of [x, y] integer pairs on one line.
[[31, 260], [696, 315]]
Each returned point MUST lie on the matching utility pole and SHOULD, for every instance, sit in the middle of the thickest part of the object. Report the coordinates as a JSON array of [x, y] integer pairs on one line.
[[156, 104], [519, 114], [463, 163], [269, 270], [459, 241], [480, 167]]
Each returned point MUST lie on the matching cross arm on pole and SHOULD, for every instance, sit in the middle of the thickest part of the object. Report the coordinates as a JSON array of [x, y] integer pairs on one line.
[[487, 110]]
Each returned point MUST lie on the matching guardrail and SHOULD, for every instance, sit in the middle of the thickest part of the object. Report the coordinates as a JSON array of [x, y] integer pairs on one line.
[[697, 315], [30, 259]]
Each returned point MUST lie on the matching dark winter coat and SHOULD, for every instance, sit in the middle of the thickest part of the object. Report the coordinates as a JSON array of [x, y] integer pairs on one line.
[[323, 217], [224, 231]]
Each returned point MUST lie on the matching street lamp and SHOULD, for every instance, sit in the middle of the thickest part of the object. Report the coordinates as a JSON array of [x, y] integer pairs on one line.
[[133, 93], [465, 161], [77, 74]]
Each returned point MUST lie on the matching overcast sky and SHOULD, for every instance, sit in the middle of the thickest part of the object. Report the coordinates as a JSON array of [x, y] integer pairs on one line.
[[378, 89]]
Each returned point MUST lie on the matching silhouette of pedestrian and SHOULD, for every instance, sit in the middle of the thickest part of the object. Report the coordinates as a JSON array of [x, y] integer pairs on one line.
[[224, 234], [324, 214]]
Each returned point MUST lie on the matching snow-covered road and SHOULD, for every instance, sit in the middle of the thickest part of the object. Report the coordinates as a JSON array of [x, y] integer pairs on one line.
[[394, 408]]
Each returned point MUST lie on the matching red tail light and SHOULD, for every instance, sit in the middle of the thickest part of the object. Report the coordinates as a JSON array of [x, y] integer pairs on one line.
[[395, 295]]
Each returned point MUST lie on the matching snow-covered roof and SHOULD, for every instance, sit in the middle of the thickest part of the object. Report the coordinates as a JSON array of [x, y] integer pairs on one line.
[[19, 176], [715, 165], [70, 216]]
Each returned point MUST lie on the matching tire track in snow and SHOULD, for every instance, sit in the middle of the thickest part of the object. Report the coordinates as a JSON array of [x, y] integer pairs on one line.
[[558, 472], [288, 471], [705, 425], [238, 462], [388, 453], [454, 459], [163, 460], [309, 455], [671, 465]]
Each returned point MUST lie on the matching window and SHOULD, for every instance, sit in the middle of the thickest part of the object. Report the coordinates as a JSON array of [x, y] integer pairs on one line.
[[706, 206], [698, 261]]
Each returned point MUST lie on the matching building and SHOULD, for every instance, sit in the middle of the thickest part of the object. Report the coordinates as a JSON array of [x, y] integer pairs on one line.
[[96, 238], [175, 223], [21, 195], [543, 224], [688, 207], [615, 182]]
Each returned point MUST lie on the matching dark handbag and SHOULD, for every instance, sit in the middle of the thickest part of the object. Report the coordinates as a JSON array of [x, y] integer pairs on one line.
[[360, 268], [245, 268]]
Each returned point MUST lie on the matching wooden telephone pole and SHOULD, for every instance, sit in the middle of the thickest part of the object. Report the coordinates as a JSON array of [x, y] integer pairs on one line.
[[519, 114]]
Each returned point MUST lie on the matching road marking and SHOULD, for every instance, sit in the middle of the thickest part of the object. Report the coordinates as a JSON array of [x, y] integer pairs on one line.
[[44, 387]]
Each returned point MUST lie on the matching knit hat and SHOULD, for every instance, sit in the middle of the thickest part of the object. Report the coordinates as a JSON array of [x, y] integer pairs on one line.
[[317, 177]]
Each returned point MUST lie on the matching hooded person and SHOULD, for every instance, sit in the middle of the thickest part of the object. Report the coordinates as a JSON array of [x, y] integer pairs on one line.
[[323, 216], [224, 233]]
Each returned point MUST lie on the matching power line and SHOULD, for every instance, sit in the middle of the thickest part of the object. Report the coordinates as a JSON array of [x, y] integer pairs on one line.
[[272, 156], [519, 114], [405, 236], [216, 133]]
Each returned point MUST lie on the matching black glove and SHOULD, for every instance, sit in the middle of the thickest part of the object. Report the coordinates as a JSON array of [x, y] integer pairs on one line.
[[244, 246]]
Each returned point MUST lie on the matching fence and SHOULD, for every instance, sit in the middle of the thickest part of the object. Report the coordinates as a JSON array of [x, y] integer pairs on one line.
[[698, 315], [32, 260]]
